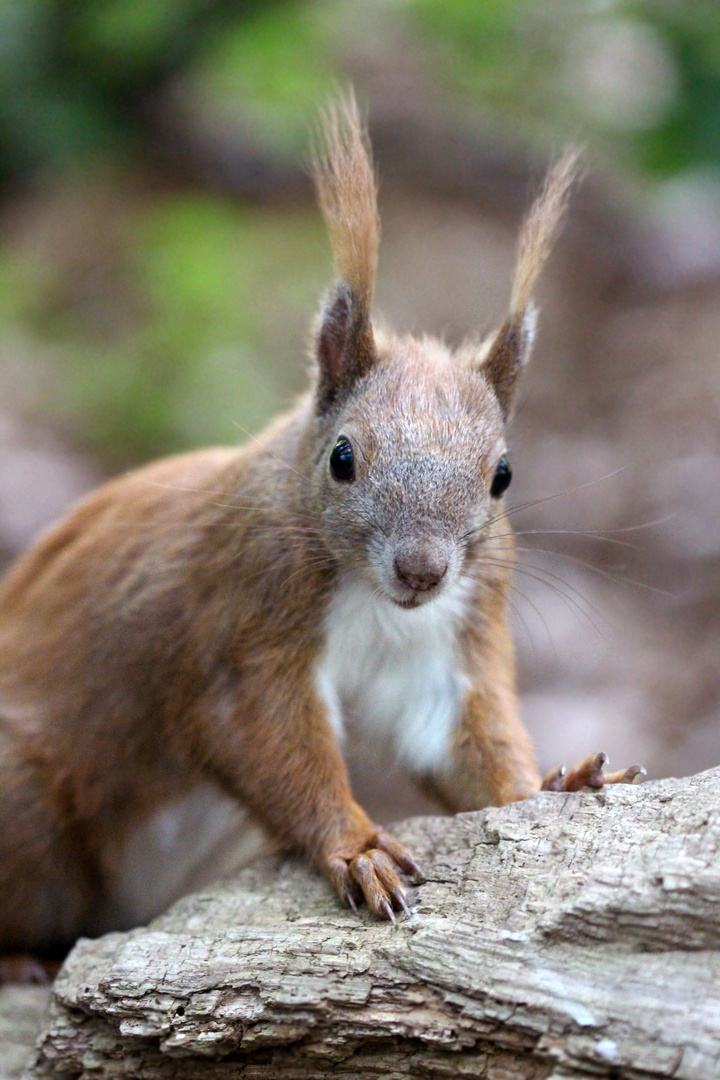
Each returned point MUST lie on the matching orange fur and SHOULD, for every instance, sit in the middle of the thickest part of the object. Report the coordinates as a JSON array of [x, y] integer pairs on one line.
[[540, 229], [175, 628], [347, 193]]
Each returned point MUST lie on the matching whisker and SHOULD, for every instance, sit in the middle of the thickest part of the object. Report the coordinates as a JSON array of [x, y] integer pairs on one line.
[[257, 509], [545, 577], [636, 528], [263, 446], [182, 487], [223, 505], [308, 564], [530, 503], [617, 579], [585, 533], [311, 564], [511, 586]]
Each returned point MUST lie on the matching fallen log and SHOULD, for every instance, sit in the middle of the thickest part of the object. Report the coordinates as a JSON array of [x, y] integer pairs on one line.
[[22, 1010], [572, 935]]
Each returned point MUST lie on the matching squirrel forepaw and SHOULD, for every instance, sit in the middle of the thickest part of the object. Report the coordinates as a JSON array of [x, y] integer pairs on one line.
[[371, 874], [590, 773]]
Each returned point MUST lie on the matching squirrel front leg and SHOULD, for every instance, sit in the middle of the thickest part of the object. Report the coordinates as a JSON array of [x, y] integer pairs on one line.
[[491, 760], [278, 755]]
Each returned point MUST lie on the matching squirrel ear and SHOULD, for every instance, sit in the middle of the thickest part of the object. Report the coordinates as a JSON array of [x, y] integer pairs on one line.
[[345, 345], [508, 355], [347, 193], [510, 350]]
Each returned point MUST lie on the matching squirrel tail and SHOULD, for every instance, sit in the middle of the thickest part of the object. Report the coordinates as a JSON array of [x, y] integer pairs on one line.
[[540, 229], [346, 186]]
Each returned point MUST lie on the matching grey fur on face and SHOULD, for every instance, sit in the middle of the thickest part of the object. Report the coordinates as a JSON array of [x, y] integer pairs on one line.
[[427, 432]]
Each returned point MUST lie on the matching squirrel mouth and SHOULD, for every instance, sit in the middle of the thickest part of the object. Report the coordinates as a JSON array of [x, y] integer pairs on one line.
[[413, 602], [416, 600]]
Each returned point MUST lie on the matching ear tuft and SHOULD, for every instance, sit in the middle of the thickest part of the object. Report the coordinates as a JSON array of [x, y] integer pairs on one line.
[[541, 227], [511, 349], [347, 194]]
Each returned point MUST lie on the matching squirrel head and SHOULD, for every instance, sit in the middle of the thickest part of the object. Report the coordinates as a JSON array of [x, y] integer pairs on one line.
[[411, 458]]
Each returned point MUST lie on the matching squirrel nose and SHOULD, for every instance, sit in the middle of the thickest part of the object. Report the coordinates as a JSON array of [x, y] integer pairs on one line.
[[422, 566]]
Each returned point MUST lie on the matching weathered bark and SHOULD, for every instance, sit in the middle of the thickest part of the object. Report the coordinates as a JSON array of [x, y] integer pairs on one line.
[[570, 935]]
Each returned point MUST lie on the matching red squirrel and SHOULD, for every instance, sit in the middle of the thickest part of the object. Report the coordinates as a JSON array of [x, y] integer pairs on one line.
[[180, 655]]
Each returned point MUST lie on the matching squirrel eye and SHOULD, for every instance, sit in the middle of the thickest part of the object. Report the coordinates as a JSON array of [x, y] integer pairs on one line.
[[501, 479], [342, 460]]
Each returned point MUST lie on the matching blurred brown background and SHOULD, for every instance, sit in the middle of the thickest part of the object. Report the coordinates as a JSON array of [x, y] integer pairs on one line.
[[161, 258]]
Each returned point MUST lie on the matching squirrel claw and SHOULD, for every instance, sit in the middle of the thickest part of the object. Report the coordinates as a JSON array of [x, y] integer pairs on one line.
[[400, 903], [590, 774], [385, 910], [387, 843], [371, 874], [416, 872], [635, 774], [554, 781]]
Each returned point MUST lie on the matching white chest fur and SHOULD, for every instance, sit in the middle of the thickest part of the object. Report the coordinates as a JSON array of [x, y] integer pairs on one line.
[[396, 672]]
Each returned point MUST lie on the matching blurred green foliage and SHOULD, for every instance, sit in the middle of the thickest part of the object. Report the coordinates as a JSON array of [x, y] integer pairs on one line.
[[273, 70], [201, 321], [186, 323], [641, 77], [75, 75], [79, 76], [206, 312], [689, 134]]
